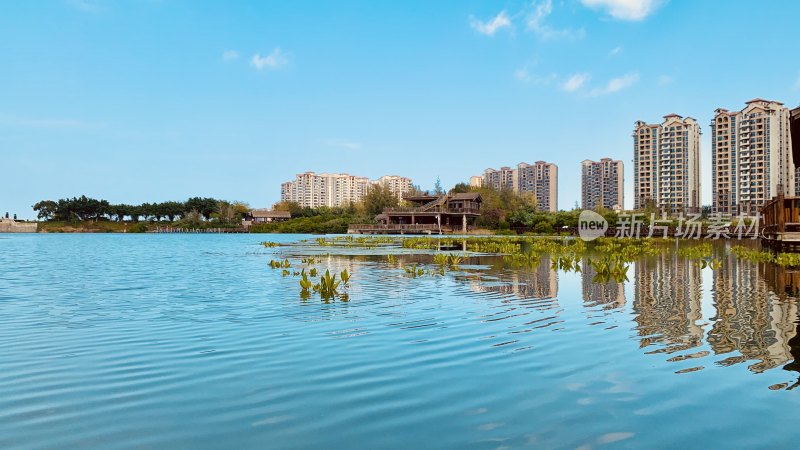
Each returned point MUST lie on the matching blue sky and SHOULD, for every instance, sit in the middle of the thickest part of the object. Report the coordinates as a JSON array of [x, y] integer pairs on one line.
[[153, 100]]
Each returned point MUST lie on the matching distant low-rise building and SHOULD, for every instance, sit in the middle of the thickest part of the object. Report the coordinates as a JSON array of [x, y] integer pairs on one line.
[[257, 216]]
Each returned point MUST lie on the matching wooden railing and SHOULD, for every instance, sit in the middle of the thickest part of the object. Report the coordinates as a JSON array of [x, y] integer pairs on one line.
[[441, 210]]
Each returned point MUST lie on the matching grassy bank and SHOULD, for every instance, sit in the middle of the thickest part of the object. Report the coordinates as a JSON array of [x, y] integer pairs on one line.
[[326, 224], [106, 226], [102, 226]]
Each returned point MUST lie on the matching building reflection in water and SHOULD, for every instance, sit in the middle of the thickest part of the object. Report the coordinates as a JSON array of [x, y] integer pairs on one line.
[[752, 319], [666, 304], [608, 294], [539, 281]]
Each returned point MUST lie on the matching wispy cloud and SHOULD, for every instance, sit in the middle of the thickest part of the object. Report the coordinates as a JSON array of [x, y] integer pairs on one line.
[[625, 9], [524, 75], [88, 6], [64, 124], [276, 59], [616, 85], [341, 143], [797, 84], [615, 51], [536, 23], [230, 55], [492, 26], [665, 80], [575, 82]]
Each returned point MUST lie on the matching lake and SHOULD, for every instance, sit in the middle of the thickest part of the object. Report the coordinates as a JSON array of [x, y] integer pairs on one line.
[[194, 341]]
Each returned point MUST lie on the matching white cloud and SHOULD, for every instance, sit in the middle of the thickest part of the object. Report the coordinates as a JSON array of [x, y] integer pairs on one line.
[[342, 143], [230, 55], [524, 75], [274, 60], [536, 23], [665, 80], [575, 82], [489, 28], [625, 9], [616, 85], [615, 51]]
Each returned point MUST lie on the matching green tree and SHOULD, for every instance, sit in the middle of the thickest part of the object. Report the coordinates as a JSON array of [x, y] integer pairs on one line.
[[437, 188], [45, 209], [378, 198]]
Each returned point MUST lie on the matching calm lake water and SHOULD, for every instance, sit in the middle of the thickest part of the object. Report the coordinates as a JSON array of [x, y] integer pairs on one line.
[[193, 341]]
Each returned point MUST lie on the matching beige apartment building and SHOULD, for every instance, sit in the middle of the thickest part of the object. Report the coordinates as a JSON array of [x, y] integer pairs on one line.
[[399, 186], [666, 165], [539, 178], [751, 156], [602, 184], [476, 181], [505, 178], [312, 190]]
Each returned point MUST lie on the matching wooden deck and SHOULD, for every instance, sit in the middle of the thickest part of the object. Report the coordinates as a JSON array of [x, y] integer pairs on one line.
[[368, 228], [780, 226]]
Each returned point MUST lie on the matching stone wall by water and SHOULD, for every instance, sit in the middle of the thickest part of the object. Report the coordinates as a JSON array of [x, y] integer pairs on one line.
[[12, 226]]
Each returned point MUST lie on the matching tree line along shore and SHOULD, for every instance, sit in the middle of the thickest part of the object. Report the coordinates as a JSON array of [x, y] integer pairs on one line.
[[502, 212]]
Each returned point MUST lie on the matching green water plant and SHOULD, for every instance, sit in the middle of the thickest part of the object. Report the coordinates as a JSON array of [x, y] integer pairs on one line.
[[270, 244], [453, 260], [305, 283], [328, 284], [752, 255], [788, 259], [345, 276], [440, 259]]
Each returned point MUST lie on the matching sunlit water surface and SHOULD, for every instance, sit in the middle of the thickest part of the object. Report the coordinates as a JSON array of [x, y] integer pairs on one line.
[[179, 341]]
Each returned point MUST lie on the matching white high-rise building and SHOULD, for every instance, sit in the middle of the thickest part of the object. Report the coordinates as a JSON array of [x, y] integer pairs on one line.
[[751, 156], [312, 190], [399, 186], [666, 164]]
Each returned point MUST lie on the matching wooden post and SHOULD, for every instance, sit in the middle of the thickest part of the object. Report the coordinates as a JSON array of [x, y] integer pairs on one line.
[[781, 213]]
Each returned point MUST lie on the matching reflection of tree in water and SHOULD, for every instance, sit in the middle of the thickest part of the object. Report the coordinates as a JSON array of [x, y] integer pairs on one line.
[[750, 319], [610, 294], [666, 302]]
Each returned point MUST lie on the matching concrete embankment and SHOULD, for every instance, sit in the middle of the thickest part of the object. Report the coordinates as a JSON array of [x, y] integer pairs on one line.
[[12, 226]]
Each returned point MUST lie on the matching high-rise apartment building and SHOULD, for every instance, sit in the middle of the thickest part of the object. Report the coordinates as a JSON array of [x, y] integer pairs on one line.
[[399, 186], [500, 179], [539, 179], [312, 190], [602, 184], [751, 156], [476, 181], [666, 164]]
